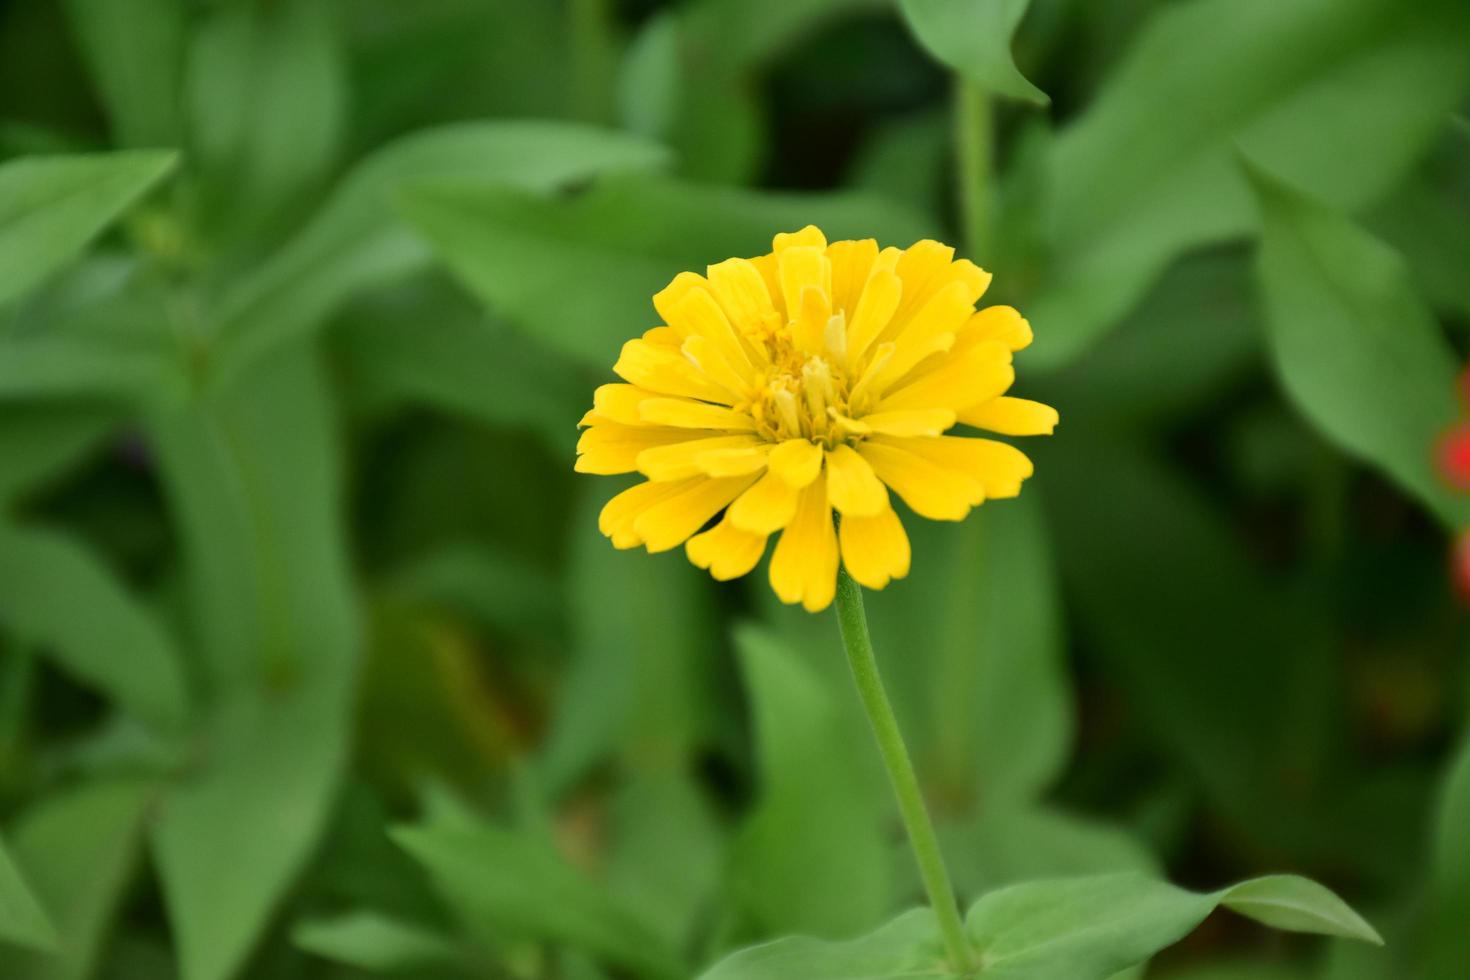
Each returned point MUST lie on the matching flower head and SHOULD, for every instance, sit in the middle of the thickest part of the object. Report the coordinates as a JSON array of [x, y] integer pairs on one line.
[[812, 379]]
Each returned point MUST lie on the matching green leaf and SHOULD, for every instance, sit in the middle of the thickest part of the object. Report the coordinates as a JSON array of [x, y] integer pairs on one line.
[[1009, 842], [116, 646], [812, 855], [355, 242], [39, 443], [266, 94], [974, 38], [1149, 171], [641, 681], [1449, 945], [620, 242], [253, 481], [1154, 568], [667, 853], [1297, 905], [499, 880], [908, 948], [374, 942], [51, 207], [974, 650], [1091, 928], [496, 589], [22, 919], [431, 347], [1355, 346], [135, 52], [229, 842], [80, 848]]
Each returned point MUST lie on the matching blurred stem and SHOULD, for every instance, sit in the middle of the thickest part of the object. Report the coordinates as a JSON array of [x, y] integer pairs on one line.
[[853, 623], [975, 163]]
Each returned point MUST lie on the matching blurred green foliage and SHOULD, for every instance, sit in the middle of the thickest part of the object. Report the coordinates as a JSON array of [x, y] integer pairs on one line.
[[313, 663]]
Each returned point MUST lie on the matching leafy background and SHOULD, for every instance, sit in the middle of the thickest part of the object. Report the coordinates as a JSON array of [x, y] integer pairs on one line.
[[312, 663]]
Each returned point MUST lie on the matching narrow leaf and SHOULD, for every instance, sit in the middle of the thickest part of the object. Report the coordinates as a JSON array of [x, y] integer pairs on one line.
[[135, 52], [51, 207], [499, 880], [22, 920], [355, 241], [80, 847], [116, 646], [374, 942], [1297, 905]]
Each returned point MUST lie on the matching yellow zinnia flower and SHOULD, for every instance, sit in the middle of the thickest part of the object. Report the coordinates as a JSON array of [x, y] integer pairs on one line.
[[814, 378]]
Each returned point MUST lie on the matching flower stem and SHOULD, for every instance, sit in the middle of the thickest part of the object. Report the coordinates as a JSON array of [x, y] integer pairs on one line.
[[974, 124], [853, 623]]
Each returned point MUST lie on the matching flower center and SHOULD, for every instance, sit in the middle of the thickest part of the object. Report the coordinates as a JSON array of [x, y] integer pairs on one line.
[[805, 393]]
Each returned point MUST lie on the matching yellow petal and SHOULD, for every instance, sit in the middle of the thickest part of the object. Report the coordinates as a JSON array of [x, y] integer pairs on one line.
[[738, 286], [699, 315], [1012, 417], [979, 374], [766, 507], [910, 422], [619, 402], [796, 461], [946, 311], [680, 460], [684, 414], [609, 448], [809, 325], [874, 311], [875, 549], [667, 523], [996, 466], [804, 564], [619, 513], [725, 550], [657, 367], [853, 487], [851, 264], [665, 336], [803, 267], [933, 491], [707, 360], [667, 300], [928, 267], [1002, 324], [733, 462], [809, 237]]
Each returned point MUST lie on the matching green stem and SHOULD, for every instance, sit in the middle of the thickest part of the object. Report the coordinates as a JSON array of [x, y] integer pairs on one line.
[[974, 137], [853, 623]]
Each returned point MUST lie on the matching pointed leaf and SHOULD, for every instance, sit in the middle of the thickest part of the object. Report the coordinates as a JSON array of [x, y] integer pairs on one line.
[[1148, 171], [1297, 905], [1355, 346], [496, 879], [80, 847], [135, 52], [355, 241], [252, 476], [116, 646], [51, 207], [374, 942], [22, 920], [974, 38]]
